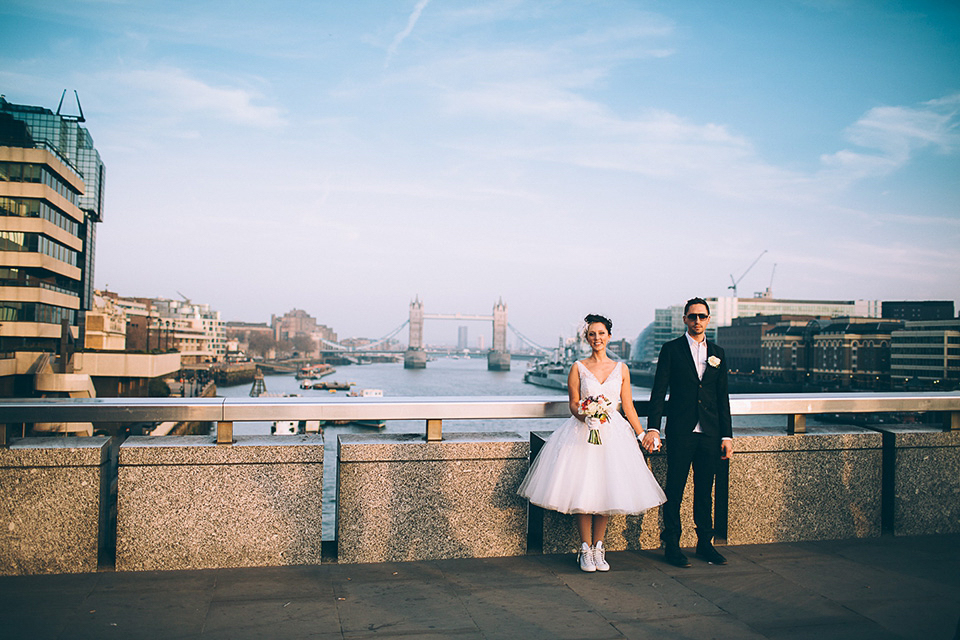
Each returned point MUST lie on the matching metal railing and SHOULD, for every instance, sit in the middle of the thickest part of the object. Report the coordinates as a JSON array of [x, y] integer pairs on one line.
[[434, 410]]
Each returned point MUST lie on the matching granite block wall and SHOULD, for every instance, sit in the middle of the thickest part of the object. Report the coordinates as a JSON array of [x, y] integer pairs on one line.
[[925, 485], [187, 503], [816, 486], [401, 498], [51, 515]]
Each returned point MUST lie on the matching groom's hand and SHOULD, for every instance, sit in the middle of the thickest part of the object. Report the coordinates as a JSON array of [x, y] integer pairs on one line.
[[651, 441], [726, 449]]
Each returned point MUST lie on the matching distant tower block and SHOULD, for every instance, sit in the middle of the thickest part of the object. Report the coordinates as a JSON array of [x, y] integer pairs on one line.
[[498, 358], [415, 357]]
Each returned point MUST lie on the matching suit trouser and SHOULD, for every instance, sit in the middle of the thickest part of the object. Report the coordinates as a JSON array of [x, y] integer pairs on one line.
[[703, 453]]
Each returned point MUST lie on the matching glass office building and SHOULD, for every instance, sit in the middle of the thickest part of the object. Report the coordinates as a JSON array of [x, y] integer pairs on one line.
[[51, 199]]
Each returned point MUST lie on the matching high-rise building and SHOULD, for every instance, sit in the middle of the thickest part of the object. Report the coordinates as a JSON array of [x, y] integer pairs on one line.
[[51, 199]]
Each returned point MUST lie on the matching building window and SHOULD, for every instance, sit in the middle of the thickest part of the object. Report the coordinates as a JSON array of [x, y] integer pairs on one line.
[[34, 208], [36, 173], [35, 312], [36, 243]]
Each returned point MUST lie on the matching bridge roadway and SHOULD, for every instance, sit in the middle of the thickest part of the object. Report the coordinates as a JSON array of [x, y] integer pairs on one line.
[[876, 588]]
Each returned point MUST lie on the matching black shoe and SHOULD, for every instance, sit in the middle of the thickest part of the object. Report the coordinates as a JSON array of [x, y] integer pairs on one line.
[[706, 552], [674, 556]]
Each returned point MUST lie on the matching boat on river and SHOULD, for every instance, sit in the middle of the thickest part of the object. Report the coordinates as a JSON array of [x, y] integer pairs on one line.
[[315, 371], [325, 385], [366, 393], [552, 372], [548, 374]]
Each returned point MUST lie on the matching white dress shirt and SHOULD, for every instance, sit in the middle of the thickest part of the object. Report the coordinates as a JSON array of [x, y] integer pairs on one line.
[[698, 350]]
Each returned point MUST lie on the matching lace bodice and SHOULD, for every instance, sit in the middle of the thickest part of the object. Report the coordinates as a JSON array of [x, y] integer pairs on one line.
[[590, 386]]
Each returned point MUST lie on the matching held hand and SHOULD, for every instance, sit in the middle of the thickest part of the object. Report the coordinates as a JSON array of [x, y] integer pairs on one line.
[[651, 441], [726, 449]]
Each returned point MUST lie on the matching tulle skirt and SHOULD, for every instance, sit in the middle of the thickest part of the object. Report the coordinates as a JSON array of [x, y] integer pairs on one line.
[[570, 475]]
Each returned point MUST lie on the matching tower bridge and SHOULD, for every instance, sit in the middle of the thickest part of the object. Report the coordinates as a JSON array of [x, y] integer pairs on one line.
[[415, 357], [498, 358]]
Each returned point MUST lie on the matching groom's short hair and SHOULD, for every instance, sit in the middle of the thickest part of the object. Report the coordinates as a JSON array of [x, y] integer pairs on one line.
[[693, 301]]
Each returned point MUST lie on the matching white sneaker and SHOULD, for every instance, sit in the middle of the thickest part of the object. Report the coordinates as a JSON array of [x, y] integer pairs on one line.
[[598, 560], [586, 558]]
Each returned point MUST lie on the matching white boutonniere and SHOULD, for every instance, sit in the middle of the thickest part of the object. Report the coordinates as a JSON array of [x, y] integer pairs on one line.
[[713, 361]]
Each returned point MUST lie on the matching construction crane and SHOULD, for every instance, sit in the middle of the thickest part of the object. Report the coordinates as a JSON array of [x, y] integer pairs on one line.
[[737, 281], [769, 292]]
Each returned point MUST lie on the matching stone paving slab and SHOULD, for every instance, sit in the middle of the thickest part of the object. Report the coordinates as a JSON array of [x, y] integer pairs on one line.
[[878, 588]]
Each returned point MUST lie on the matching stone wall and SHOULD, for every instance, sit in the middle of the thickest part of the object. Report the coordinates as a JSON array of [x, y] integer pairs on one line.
[[402, 498], [923, 471], [53, 511], [187, 503], [820, 485]]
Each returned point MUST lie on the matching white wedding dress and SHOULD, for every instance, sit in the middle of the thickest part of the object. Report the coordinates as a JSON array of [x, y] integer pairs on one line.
[[570, 475]]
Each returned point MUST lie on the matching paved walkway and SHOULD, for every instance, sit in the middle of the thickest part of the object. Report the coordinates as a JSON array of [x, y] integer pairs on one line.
[[878, 588]]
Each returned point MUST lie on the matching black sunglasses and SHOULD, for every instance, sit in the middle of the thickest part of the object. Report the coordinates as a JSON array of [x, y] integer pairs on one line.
[[698, 316]]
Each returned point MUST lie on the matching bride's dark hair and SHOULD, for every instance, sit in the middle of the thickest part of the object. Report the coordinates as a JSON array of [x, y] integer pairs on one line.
[[593, 317]]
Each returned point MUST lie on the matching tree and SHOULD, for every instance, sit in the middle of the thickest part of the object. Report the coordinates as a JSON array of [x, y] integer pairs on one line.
[[260, 343], [285, 347], [304, 344]]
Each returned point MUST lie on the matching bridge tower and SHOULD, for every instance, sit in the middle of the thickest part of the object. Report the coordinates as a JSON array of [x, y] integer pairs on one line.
[[415, 357], [498, 358]]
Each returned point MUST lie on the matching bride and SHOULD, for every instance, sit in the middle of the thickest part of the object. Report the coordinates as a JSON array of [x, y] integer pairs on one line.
[[592, 464]]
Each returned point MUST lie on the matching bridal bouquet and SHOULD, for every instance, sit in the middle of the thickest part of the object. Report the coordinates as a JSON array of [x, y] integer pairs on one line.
[[597, 410]]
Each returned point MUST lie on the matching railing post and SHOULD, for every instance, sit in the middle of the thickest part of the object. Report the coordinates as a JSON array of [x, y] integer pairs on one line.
[[4, 438], [225, 432], [434, 430], [796, 423]]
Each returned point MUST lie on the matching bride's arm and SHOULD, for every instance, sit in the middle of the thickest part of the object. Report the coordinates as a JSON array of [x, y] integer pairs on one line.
[[626, 402], [573, 392], [651, 437]]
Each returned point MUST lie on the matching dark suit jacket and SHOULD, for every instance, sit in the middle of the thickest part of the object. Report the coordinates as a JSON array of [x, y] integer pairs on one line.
[[691, 400]]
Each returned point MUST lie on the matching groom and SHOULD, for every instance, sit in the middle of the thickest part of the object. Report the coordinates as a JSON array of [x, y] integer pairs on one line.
[[699, 432]]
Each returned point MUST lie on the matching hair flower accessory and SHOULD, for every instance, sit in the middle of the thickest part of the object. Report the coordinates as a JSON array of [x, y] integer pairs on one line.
[[597, 410], [713, 361]]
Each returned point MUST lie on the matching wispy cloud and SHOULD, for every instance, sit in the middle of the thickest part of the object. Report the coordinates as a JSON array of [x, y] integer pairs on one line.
[[890, 135], [403, 35], [176, 93]]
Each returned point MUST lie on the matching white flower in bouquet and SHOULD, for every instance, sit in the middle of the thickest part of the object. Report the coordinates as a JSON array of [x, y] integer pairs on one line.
[[597, 410]]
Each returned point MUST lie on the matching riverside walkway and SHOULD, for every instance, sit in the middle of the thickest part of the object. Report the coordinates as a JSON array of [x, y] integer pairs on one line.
[[876, 588]]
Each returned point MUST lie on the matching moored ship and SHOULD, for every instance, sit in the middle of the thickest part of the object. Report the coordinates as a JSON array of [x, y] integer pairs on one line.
[[553, 373], [315, 371], [548, 374]]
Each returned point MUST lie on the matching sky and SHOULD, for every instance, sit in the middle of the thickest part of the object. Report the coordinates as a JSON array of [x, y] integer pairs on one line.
[[566, 157]]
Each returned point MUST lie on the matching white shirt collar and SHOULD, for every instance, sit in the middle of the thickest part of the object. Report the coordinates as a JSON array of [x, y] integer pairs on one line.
[[694, 343]]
